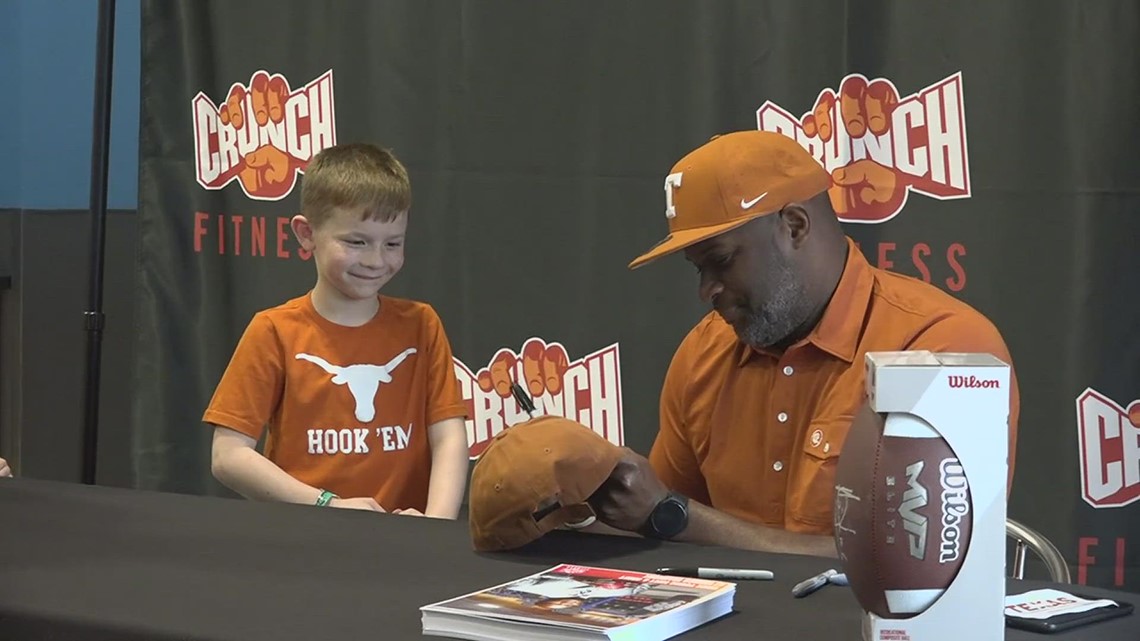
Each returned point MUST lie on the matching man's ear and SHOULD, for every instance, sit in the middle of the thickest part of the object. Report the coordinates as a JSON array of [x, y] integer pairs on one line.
[[797, 222], [303, 231]]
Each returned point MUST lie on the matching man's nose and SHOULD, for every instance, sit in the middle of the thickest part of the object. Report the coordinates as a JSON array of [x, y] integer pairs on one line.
[[709, 288]]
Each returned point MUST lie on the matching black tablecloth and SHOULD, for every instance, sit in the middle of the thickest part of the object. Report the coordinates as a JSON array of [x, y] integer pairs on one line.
[[93, 563]]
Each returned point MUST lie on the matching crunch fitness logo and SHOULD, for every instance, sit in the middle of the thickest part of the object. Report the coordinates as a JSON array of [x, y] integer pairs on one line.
[[587, 390], [1109, 439], [263, 134], [878, 146]]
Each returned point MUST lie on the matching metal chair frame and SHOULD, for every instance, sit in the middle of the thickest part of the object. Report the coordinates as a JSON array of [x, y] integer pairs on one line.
[[1026, 538]]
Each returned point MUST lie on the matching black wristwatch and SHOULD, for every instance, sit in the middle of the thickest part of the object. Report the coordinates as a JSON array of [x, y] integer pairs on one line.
[[668, 519]]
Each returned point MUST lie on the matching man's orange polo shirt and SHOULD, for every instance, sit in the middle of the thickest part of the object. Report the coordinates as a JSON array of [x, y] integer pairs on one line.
[[757, 435]]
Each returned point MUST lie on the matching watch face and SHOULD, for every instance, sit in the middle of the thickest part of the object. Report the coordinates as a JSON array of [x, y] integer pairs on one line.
[[669, 518]]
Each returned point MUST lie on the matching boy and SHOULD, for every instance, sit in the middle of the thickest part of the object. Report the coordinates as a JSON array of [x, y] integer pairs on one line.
[[357, 389]]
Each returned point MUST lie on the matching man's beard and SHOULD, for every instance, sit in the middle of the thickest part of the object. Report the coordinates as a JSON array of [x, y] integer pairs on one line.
[[780, 315]]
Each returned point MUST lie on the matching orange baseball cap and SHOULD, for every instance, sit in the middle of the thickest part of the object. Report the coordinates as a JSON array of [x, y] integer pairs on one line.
[[535, 477], [730, 180]]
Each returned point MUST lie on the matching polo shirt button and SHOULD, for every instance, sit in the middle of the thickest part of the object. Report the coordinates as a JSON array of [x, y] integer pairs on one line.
[[777, 466], [782, 417], [788, 370]]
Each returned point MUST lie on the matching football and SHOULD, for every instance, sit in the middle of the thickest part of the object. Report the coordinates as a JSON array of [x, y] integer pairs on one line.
[[902, 513]]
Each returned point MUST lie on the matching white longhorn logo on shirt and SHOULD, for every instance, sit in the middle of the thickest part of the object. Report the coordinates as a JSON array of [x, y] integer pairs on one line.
[[362, 380]]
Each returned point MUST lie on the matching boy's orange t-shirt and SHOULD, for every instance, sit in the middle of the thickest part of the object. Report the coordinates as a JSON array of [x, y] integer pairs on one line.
[[346, 408]]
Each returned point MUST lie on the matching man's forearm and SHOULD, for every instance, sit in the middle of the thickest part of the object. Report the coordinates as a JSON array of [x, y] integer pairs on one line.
[[711, 527], [597, 527], [633, 489]]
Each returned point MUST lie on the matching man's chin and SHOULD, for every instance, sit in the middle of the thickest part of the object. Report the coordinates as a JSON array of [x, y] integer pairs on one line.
[[746, 334]]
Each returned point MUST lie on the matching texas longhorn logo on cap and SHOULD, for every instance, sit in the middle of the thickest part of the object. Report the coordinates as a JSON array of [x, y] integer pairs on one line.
[[730, 180], [263, 134]]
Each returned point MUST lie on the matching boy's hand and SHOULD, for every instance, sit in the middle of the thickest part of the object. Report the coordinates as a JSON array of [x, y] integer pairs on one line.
[[4, 469], [360, 503]]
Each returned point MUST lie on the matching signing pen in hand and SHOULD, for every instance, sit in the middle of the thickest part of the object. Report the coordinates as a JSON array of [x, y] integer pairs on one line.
[[729, 574]]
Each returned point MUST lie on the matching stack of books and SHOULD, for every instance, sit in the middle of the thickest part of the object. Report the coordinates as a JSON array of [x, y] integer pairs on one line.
[[581, 602]]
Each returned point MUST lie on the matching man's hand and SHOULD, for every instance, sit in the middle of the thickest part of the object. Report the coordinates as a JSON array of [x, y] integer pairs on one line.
[[627, 498], [629, 495], [4, 469], [366, 503]]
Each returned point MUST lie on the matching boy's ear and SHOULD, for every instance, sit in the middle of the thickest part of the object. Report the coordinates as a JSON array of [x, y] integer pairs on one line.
[[303, 231]]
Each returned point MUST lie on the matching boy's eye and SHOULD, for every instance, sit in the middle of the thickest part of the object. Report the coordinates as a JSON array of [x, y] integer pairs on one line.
[[395, 244]]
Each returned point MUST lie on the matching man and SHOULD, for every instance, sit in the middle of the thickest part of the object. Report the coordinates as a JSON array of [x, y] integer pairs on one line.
[[761, 393]]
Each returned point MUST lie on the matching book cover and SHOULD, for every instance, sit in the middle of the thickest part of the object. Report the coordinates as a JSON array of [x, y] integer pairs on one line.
[[594, 602]]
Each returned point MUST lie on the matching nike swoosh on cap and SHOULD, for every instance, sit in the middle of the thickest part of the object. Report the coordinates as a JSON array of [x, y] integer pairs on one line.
[[746, 204]]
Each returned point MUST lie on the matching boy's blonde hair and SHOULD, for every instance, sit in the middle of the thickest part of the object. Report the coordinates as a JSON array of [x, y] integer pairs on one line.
[[360, 178]]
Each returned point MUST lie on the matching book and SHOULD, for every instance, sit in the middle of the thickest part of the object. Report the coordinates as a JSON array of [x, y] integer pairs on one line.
[[581, 602], [1047, 611]]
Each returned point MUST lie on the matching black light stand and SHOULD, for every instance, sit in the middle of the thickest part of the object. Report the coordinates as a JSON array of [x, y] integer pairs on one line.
[[100, 149]]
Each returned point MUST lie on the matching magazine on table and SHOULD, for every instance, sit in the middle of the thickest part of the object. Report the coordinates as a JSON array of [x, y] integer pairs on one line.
[[581, 602]]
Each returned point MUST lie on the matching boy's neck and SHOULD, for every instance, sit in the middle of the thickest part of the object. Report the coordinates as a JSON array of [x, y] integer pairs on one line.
[[335, 308]]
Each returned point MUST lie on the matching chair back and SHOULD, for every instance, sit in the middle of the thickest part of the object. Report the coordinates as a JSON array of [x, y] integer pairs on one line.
[[1026, 538]]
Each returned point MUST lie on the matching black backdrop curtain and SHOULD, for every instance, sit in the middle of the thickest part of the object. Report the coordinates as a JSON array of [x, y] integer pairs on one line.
[[538, 136]]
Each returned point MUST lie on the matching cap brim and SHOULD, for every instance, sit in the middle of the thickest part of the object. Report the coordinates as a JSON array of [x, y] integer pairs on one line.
[[684, 238]]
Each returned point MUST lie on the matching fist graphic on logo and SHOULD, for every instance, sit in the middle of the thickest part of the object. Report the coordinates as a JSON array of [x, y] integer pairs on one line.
[[267, 170], [543, 367], [863, 189]]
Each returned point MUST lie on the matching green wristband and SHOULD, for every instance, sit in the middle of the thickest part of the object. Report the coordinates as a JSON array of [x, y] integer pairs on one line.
[[325, 497]]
